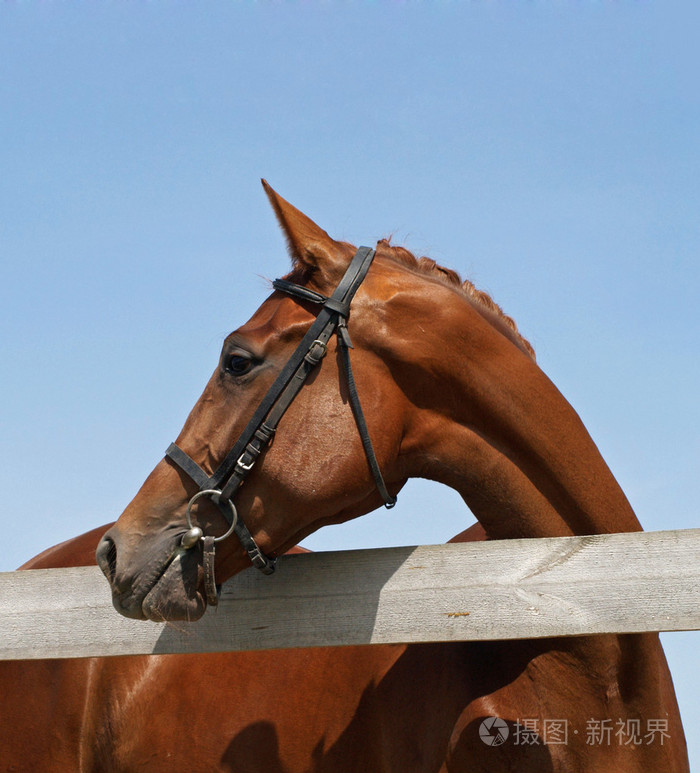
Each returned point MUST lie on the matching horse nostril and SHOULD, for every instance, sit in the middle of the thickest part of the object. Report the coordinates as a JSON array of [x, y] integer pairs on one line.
[[107, 557]]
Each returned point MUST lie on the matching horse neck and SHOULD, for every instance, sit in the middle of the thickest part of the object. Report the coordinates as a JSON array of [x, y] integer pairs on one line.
[[506, 439]]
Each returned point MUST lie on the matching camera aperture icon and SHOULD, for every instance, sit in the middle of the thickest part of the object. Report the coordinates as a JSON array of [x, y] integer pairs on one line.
[[493, 731]]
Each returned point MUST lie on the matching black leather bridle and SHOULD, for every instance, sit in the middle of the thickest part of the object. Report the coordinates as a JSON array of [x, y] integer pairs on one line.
[[221, 487]]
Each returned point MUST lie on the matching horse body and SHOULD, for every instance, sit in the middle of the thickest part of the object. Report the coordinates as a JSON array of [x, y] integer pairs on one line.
[[380, 708], [451, 392]]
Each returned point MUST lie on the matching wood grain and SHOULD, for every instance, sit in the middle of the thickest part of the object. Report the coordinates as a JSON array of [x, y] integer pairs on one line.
[[510, 589]]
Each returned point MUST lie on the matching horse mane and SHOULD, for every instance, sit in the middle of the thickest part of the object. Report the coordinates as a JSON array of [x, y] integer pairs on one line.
[[482, 301]]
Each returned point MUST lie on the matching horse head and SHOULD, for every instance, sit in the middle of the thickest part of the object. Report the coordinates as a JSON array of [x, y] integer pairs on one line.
[[449, 391]]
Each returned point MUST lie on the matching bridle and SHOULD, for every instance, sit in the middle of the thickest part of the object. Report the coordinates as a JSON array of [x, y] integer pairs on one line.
[[222, 486]]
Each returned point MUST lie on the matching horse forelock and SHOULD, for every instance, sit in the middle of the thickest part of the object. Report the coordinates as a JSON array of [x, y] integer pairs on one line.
[[481, 300]]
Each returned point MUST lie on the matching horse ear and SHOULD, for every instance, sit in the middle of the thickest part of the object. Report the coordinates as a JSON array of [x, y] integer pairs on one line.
[[309, 245]]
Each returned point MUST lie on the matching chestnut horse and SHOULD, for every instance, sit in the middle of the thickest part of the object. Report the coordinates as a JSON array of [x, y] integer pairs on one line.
[[451, 392]]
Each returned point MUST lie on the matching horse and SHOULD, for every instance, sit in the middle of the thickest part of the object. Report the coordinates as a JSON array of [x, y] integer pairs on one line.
[[442, 386]]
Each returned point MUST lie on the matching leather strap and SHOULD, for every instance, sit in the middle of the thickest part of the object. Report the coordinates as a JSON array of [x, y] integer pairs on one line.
[[208, 549], [389, 500], [283, 285], [187, 464]]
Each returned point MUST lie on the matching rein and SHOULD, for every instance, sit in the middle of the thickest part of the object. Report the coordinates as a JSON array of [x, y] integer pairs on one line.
[[222, 486]]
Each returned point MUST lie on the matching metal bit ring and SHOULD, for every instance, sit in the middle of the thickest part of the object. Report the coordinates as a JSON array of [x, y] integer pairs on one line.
[[215, 495]]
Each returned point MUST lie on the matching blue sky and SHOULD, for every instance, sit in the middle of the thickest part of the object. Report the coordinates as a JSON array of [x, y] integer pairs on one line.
[[547, 150]]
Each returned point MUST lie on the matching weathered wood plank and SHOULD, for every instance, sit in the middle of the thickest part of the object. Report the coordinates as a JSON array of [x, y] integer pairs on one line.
[[617, 583]]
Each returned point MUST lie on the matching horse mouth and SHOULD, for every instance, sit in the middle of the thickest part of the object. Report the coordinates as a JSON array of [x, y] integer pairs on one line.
[[175, 594], [164, 587]]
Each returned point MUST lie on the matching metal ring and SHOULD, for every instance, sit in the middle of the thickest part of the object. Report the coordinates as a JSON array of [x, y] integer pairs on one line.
[[215, 494]]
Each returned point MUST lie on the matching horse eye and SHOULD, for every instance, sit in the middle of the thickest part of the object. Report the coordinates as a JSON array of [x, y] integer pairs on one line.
[[237, 365]]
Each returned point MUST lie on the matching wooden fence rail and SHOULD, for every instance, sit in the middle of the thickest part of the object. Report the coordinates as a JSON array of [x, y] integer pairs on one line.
[[509, 589]]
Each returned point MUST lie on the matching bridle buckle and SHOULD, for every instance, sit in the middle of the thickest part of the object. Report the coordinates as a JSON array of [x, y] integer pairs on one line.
[[317, 351], [246, 467]]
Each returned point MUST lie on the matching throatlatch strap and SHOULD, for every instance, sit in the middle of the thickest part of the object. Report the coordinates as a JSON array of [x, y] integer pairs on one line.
[[389, 500]]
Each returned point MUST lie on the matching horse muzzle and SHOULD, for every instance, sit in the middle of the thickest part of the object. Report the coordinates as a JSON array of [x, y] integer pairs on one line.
[[156, 579]]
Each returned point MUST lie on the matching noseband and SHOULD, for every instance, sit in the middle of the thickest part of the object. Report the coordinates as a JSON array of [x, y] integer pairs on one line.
[[222, 486]]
